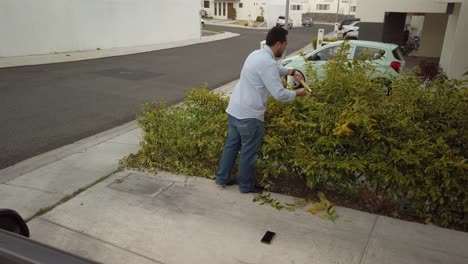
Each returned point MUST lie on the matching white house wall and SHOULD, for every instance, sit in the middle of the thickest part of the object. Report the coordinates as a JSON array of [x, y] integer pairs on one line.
[[49, 26], [246, 10], [374, 10], [344, 7], [454, 59], [274, 8]]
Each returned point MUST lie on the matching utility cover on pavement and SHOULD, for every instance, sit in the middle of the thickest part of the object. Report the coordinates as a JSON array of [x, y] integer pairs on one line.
[[141, 184]]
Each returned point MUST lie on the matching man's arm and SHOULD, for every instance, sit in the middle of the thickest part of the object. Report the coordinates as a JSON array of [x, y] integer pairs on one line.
[[270, 75]]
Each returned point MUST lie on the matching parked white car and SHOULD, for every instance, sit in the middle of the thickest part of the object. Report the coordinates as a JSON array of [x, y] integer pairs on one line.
[[348, 28], [280, 22], [352, 35]]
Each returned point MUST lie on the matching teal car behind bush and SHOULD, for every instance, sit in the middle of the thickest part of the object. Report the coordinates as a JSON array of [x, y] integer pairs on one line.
[[387, 58]]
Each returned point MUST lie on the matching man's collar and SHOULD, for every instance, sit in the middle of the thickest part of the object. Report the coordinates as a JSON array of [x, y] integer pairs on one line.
[[268, 49]]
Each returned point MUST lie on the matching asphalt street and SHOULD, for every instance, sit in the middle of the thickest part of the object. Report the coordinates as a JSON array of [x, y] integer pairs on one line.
[[45, 107]]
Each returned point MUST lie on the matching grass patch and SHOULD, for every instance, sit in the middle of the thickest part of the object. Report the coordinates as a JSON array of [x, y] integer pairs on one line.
[[67, 198]]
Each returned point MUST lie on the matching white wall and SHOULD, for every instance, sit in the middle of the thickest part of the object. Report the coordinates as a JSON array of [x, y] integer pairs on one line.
[[374, 10], [454, 58], [344, 7], [244, 12], [416, 25], [273, 12], [48, 26]]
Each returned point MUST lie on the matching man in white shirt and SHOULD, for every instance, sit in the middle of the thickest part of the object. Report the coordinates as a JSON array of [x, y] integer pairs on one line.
[[260, 77]]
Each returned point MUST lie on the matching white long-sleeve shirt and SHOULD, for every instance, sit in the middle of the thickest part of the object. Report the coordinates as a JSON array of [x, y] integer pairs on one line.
[[260, 77]]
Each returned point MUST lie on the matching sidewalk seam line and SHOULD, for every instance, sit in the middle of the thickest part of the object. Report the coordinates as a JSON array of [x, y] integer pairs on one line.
[[30, 188], [368, 239], [101, 240], [127, 144]]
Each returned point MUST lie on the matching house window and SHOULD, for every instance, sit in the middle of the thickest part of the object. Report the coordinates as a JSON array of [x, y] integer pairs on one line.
[[224, 9], [216, 9], [296, 7], [241, 5], [219, 9], [206, 4], [323, 7], [353, 9]]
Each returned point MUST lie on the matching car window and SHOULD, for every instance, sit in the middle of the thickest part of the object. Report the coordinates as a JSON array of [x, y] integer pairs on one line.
[[356, 24], [348, 22], [365, 53], [326, 54], [281, 17]]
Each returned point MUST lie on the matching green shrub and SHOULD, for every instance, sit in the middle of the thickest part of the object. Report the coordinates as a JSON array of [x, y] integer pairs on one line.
[[260, 19], [186, 138], [410, 147]]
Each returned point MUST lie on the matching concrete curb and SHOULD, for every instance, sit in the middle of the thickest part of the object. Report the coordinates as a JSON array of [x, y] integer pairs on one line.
[[44, 159]]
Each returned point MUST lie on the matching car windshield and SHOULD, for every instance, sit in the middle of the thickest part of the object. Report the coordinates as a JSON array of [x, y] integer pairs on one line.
[[348, 22], [281, 17]]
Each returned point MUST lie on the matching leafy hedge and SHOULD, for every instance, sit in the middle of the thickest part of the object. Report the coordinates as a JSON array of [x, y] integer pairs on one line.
[[410, 147]]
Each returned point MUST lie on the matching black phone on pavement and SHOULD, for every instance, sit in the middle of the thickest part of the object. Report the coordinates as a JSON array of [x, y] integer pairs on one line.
[[268, 237]]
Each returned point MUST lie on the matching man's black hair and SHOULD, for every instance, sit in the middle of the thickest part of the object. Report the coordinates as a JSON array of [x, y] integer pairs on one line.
[[276, 34]]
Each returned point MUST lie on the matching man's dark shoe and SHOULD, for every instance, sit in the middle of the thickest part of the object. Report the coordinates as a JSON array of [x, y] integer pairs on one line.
[[256, 189], [224, 185]]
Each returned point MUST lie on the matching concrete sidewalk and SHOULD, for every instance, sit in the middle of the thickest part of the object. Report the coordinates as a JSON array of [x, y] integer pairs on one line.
[[112, 216]]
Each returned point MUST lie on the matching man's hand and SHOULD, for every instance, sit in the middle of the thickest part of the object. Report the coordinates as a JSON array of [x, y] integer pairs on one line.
[[301, 92], [298, 76]]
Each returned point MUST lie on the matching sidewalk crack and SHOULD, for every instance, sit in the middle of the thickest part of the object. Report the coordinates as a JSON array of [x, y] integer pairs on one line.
[[368, 240]]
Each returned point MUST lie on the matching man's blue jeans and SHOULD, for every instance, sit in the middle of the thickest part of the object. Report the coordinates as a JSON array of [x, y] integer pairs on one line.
[[245, 135]]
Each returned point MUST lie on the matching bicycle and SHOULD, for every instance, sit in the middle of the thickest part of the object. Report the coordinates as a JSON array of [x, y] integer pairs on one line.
[[411, 45]]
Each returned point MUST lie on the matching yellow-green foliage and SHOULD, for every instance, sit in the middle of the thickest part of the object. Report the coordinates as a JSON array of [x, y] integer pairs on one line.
[[411, 146], [186, 138]]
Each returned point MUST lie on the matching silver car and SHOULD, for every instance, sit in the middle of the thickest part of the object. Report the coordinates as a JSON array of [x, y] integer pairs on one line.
[[307, 22]]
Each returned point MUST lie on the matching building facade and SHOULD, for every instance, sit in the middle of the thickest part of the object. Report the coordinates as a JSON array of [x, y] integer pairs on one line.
[[271, 9], [443, 31], [30, 27]]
